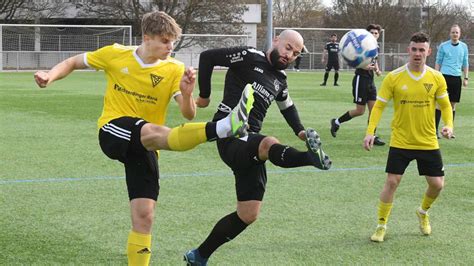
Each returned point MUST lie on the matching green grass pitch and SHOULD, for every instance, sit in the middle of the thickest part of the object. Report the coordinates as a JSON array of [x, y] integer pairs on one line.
[[63, 202]]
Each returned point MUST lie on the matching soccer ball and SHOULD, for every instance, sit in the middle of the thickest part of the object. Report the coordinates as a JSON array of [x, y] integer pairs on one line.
[[358, 48]]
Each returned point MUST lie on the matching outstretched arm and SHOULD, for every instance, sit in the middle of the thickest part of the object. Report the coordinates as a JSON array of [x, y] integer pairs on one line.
[[60, 70], [227, 57]]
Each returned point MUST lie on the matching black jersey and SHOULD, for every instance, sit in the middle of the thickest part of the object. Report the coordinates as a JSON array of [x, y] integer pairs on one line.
[[247, 66], [333, 51], [365, 72]]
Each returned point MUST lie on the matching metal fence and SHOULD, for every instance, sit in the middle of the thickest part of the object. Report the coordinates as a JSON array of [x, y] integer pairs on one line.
[[395, 56], [34, 47]]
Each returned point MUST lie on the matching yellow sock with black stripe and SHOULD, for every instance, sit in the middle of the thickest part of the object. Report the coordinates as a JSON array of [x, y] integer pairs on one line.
[[384, 212], [426, 203], [138, 249], [187, 136]]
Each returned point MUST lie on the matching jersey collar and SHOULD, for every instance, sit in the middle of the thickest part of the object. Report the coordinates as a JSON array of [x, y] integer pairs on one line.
[[143, 64], [413, 76]]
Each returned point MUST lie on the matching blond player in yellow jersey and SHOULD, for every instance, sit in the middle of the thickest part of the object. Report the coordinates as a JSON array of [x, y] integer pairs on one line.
[[415, 89], [141, 81]]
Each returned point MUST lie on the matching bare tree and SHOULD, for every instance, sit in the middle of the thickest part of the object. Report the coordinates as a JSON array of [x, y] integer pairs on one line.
[[395, 19], [197, 17], [30, 10], [439, 17], [8, 8], [399, 21], [297, 13]]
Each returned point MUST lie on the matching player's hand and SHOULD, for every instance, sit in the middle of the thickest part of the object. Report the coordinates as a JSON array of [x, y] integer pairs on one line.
[[370, 67], [369, 142], [378, 72], [302, 135], [202, 102], [188, 81], [465, 82], [447, 132], [42, 79]]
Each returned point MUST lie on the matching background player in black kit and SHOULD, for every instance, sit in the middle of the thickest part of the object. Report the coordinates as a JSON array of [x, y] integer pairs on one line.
[[363, 90], [246, 156], [332, 50], [298, 59]]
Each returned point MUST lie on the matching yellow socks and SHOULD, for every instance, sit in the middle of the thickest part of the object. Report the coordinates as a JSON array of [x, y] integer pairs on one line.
[[426, 203], [187, 136], [138, 249], [384, 212]]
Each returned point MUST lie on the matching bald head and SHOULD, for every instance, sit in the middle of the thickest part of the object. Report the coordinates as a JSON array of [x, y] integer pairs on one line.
[[292, 36], [285, 48]]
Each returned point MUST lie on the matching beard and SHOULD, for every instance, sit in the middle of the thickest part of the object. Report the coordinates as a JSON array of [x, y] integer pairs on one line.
[[274, 57]]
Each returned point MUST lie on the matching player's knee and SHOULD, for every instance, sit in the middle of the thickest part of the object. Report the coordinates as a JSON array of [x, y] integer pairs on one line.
[[392, 183], [146, 217], [437, 184], [154, 137], [358, 112], [249, 217], [265, 145], [143, 220]]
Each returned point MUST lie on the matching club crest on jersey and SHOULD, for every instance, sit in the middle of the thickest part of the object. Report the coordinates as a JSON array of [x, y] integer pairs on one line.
[[276, 83], [155, 79], [237, 57], [428, 86]]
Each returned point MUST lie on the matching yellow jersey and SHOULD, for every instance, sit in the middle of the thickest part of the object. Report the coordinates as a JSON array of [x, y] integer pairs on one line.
[[414, 97], [134, 88]]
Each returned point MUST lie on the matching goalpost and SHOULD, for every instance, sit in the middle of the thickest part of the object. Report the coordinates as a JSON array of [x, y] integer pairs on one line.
[[40, 46], [316, 38]]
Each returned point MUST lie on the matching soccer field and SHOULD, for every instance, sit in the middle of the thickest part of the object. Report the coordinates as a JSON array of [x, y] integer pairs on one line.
[[63, 202]]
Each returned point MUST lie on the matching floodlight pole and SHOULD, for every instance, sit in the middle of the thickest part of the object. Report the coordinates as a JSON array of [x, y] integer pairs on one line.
[[268, 44]]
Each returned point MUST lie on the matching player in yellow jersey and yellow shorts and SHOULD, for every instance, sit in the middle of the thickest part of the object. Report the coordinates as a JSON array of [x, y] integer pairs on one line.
[[415, 88], [141, 81]]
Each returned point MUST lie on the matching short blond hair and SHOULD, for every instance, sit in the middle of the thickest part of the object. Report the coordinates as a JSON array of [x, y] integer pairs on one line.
[[160, 23]]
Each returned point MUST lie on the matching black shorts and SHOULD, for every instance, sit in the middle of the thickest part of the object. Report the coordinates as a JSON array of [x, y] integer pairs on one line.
[[429, 162], [363, 89], [119, 139], [454, 87], [332, 65], [241, 155]]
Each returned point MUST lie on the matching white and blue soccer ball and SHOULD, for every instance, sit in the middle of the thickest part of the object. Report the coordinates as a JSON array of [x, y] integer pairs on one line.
[[358, 48]]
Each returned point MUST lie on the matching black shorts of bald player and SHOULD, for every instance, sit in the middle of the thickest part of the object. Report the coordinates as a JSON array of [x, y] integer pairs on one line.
[[247, 156]]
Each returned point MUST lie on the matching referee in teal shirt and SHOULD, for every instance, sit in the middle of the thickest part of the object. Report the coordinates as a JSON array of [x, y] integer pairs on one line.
[[452, 57]]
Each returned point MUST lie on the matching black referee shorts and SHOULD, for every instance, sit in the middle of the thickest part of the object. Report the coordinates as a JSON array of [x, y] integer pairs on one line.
[[429, 162], [119, 139], [454, 87], [250, 173]]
